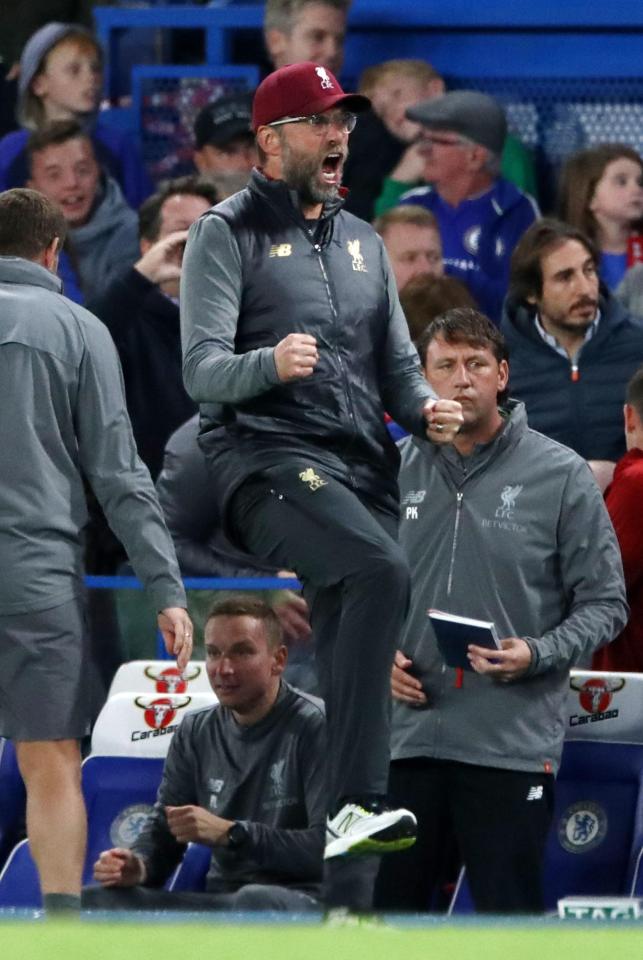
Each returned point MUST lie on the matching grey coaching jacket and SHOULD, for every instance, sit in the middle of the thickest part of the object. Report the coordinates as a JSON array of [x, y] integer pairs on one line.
[[255, 271], [516, 533], [62, 416], [269, 775]]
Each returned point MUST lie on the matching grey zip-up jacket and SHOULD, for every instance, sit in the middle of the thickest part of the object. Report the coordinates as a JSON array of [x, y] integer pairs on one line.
[[516, 533], [107, 245], [269, 775], [62, 416], [255, 271]]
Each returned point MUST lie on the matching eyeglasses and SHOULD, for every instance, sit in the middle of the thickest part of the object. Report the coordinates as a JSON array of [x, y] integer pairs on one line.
[[437, 140], [321, 122]]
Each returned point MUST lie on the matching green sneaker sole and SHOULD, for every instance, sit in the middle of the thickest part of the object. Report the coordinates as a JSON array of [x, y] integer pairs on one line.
[[371, 845]]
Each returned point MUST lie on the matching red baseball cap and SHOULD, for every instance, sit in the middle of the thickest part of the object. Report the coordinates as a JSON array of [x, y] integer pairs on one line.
[[299, 90]]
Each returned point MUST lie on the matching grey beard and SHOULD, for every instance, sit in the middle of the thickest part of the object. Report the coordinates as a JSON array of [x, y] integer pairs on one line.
[[310, 194], [300, 177]]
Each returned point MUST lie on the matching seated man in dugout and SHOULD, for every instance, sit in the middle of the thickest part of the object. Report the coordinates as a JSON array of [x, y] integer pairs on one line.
[[244, 777]]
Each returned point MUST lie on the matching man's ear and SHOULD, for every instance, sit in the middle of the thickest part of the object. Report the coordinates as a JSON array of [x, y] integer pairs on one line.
[[269, 141], [630, 418], [198, 159], [280, 660], [276, 44], [503, 375], [478, 157], [50, 255]]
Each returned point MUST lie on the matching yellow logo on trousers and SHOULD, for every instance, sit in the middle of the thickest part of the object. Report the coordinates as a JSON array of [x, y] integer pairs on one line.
[[312, 479]]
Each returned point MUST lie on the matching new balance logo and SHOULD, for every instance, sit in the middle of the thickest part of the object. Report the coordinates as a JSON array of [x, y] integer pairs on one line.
[[535, 793], [348, 821], [280, 250], [414, 496]]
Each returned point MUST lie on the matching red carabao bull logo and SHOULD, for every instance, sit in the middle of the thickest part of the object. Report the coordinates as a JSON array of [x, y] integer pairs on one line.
[[595, 697], [170, 679], [158, 715]]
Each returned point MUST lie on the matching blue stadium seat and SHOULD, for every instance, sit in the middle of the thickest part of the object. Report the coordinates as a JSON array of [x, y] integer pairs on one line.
[[19, 884], [192, 871], [12, 798], [596, 842], [119, 793]]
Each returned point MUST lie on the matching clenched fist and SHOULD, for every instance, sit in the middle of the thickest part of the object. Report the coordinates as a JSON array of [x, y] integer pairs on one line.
[[296, 356]]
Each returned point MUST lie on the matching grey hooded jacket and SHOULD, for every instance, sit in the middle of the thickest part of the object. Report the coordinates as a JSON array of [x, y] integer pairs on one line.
[[516, 533], [62, 416], [107, 245]]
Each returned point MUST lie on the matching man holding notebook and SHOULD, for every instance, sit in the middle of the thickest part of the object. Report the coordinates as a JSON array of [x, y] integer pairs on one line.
[[506, 526]]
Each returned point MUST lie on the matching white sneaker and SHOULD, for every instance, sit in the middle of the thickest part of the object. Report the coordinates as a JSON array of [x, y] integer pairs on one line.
[[356, 830]]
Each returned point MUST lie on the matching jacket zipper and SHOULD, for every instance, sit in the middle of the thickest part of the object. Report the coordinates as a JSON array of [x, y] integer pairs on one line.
[[351, 412], [458, 510]]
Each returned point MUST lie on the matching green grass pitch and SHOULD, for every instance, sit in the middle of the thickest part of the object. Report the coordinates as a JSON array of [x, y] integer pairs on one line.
[[87, 940]]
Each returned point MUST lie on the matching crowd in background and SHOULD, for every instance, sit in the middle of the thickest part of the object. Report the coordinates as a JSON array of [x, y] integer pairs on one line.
[[449, 188], [452, 193]]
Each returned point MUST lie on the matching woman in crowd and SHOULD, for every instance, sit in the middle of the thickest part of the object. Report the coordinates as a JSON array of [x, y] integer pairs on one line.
[[601, 193]]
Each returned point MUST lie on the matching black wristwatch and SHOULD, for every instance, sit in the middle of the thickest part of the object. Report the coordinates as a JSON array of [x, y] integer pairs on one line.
[[237, 835]]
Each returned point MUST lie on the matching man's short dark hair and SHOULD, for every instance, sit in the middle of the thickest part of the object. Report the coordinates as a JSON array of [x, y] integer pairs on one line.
[[466, 325], [53, 134], [245, 605], [149, 214], [634, 393], [425, 297], [29, 222], [542, 237], [281, 14]]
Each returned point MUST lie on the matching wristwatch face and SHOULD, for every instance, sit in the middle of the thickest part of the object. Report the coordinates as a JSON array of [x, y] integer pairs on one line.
[[236, 835]]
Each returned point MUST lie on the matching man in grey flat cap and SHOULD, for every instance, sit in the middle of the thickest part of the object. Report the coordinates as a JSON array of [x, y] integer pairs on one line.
[[481, 216]]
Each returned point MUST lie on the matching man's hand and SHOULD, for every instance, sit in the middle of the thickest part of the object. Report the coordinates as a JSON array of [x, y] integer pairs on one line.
[[507, 664], [119, 867], [162, 261], [444, 419], [176, 628], [296, 356], [192, 824], [410, 166], [404, 686], [293, 614]]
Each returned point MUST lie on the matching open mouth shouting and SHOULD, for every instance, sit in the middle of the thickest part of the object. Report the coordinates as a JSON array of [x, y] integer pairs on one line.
[[76, 207], [332, 168]]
